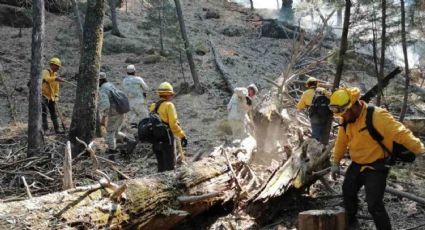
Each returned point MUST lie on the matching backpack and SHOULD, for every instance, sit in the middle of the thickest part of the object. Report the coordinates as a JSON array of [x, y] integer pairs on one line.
[[120, 101], [152, 129], [399, 153], [319, 107]]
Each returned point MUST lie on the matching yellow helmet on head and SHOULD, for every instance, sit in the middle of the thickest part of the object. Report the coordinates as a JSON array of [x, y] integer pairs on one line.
[[55, 61], [165, 89], [342, 99]]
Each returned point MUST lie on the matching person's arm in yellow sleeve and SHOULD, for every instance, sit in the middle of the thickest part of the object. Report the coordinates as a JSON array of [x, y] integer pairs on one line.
[[397, 131], [340, 147], [301, 104], [173, 122], [47, 77]]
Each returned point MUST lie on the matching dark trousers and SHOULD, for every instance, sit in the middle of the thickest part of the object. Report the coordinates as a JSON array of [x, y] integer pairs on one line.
[[165, 155], [48, 106], [317, 131], [374, 182]]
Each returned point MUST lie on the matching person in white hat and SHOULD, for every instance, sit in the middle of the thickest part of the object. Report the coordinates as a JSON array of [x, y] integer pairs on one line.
[[135, 88]]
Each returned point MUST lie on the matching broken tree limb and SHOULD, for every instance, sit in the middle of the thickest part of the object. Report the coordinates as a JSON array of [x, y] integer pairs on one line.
[[147, 199], [26, 187], [67, 168], [374, 91]]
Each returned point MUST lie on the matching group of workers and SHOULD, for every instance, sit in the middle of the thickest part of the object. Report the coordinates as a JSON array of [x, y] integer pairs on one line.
[[368, 167], [135, 89], [369, 158]]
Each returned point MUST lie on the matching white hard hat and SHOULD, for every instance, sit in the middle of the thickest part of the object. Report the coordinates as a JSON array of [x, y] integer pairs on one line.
[[102, 75], [254, 87], [131, 69]]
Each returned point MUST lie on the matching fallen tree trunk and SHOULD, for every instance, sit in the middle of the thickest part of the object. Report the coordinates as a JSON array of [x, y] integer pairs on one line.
[[220, 66], [157, 201]]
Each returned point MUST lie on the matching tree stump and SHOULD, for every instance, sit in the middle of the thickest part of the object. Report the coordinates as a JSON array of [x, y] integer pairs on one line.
[[321, 220]]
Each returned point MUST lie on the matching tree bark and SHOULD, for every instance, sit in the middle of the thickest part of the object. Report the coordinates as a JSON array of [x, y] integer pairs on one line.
[[406, 62], [188, 48], [79, 23], [340, 65], [252, 4], [34, 107], [161, 26], [158, 201], [83, 123], [383, 44], [112, 7]]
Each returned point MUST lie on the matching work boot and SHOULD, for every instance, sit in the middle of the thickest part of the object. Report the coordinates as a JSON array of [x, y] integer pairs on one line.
[[131, 145]]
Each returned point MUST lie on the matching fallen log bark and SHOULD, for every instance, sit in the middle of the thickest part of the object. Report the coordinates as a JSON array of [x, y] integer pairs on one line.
[[220, 66], [157, 201]]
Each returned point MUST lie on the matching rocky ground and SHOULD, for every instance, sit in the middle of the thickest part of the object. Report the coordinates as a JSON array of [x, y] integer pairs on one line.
[[248, 58]]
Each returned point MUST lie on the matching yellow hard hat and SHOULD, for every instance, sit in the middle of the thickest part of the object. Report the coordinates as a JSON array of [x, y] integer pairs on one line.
[[55, 61], [342, 99], [164, 89]]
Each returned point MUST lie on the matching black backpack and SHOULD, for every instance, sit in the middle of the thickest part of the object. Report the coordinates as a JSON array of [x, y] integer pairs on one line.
[[399, 153], [120, 101], [152, 129], [319, 107]]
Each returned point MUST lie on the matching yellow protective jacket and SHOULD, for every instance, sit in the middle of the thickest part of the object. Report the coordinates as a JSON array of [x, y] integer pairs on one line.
[[363, 149], [307, 97], [167, 113], [49, 86]]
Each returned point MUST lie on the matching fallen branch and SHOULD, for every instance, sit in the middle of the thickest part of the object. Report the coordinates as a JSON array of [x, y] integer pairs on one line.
[[26, 187], [190, 199]]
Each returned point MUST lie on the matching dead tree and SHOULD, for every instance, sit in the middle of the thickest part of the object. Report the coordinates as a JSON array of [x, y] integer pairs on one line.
[[252, 4], [383, 44], [158, 201], [79, 23], [83, 123], [34, 107], [406, 61], [112, 7], [188, 48]]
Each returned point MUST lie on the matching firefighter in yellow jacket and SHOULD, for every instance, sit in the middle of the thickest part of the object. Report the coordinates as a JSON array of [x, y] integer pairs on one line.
[[50, 94], [368, 167], [165, 151]]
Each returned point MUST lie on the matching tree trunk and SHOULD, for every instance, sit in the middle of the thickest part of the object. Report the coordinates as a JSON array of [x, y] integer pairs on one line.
[[252, 4], [286, 3], [188, 48], [158, 201], [79, 23], [340, 65], [383, 44], [112, 7], [34, 106], [161, 26], [374, 44], [322, 220], [406, 62], [83, 123], [55, 6]]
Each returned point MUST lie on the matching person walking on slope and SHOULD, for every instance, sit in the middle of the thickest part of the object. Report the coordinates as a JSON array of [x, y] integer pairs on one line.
[[50, 94], [108, 110], [239, 105], [135, 88], [369, 166], [165, 150], [316, 100]]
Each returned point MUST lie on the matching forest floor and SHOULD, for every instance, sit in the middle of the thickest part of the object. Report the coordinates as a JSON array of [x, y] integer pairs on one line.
[[248, 58]]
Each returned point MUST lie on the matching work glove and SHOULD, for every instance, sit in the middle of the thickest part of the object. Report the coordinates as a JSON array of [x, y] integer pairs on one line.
[[334, 170], [184, 142]]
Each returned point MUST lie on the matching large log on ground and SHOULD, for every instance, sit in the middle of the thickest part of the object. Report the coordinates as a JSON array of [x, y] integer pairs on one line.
[[55, 6], [157, 201], [321, 220]]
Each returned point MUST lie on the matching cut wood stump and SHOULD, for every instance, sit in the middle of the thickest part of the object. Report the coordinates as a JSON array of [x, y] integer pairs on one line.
[[321, 220]]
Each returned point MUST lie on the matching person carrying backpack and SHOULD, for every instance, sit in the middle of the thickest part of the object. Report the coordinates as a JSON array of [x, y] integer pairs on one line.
[[50, 94], [164, 148], [113, 105], [369, 166], [316, 100]]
